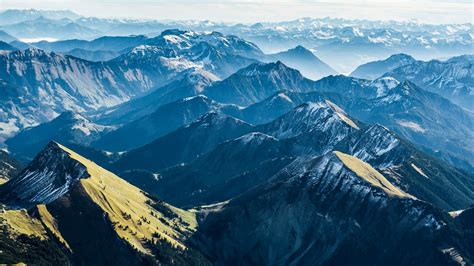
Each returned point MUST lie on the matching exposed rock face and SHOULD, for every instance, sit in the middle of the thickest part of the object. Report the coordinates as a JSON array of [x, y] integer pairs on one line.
[[323, 211], [49, 176], [453, 79], [257, 82]]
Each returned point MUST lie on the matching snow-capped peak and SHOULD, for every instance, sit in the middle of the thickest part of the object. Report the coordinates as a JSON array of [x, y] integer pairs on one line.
[[384, 85], [49, 176]]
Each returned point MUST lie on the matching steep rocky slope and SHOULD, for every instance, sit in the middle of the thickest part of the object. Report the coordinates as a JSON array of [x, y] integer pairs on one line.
[[88, 210], [329, 210]]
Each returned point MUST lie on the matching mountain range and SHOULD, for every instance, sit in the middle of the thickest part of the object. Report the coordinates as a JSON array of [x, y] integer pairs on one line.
[[337, 201], [311, 129], [60, 186], [374, 70], [196, 147], [342, 43], [269, 90], [451, 78], [55, 82], [68, 127]]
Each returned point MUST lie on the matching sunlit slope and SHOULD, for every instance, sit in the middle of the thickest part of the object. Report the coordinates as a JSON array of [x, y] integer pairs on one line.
[[366, 172], [19, 222], [96, 206], [51, 224], [133, 214]]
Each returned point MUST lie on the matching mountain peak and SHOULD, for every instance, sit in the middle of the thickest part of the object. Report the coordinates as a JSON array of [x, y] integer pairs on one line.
[[301, 50], [71, 115], [384, 85], [401, 57], [406, 87], [402, 92], [265, 69], [58, 170], [48, 177], [375, 69], [32, 52], [173, 32], [312, 117]]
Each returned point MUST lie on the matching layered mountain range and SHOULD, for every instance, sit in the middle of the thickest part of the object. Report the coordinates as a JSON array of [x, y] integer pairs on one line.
[[261, 92], [196, 148], [53, 82], [342, 43], [264, 186], [451, 78]]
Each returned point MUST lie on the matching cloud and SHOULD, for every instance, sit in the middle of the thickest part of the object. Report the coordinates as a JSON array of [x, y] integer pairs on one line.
[[431, 11]]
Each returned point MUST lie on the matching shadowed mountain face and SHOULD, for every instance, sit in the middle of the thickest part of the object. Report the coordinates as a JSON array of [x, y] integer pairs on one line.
[[164, 120], [209, 172], [190, 83], [324, 210], [5, 37], [6, 47], [185, 144], [9, 167], [257, 82]]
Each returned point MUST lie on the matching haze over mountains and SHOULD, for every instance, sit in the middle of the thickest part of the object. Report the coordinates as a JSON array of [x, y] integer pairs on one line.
[[131, 142], [344, 44]]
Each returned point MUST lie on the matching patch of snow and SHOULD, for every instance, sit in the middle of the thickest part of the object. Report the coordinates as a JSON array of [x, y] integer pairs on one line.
[[411, 125], [384, 85], [256, 137], [285, 97], [156, 177], [455, 214], [419, 170]]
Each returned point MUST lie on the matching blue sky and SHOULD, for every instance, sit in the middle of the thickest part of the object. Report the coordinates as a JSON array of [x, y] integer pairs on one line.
[[431, 11]]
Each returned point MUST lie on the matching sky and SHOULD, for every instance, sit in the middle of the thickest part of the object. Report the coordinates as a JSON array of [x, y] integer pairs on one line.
[[429, 11]]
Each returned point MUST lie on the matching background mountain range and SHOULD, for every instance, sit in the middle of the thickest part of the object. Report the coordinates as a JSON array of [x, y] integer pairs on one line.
[[342, 43]]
